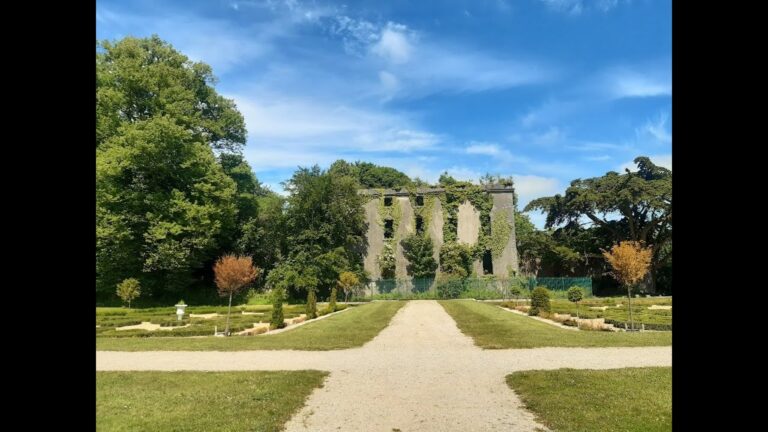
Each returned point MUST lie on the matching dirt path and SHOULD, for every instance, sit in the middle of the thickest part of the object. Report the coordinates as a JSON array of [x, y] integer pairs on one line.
[[420, 373]]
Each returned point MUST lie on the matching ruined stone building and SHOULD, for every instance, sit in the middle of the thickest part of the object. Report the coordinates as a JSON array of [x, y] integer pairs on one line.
[[465, 214]]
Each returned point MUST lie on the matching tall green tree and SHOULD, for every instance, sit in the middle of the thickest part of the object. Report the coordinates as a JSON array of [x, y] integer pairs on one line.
[[324, 226], [140, 79], [634, 206], [418, 250], [162, 203], [370, 175]]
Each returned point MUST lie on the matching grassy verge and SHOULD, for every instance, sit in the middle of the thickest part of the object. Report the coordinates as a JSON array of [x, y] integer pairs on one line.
[[494, 328], [345, 330], [201, 401], [654, 319], [626, 400]]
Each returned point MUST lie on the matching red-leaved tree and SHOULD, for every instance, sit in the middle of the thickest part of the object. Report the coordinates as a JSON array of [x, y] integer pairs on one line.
[[233, 273]]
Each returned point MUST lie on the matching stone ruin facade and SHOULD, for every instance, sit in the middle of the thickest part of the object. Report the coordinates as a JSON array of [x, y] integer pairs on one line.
[[421, 210]]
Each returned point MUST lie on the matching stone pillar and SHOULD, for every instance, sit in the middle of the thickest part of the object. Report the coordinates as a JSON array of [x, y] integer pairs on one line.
[[469, 230], [406, 227], [435, 229], [375, 238], [503, 204]]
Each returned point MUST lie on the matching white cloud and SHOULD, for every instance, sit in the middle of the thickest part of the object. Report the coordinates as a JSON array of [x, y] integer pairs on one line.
[[393, 44], [597, 158], [663, 160], [657, 129], [530, 187], [489, 149], [424, 66], [624, 83], [389, 83], [573, 7], [286, 132], [576, 7]]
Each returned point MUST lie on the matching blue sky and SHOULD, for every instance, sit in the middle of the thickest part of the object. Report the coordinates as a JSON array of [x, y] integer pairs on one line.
[[544, 90]]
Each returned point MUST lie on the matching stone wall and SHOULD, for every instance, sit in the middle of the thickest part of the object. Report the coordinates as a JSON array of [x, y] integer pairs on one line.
[[503, 204], [468, 230], [375, 237]]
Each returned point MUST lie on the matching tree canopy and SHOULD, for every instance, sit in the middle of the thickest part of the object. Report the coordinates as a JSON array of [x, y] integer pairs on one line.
[[369, 175], [140, 79], [633, 206]]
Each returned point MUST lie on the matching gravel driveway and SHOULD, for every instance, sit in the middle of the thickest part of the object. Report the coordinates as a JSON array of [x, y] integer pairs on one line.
[[419, 374]]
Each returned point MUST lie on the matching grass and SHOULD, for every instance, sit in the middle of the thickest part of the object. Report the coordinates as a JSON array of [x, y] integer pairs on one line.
[[345, 330], [110, 318], [494, 328], [201, 401], [654, 319], [626, 400]]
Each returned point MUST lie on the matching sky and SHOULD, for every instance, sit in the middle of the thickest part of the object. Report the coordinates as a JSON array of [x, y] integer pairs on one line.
[[546, 91]]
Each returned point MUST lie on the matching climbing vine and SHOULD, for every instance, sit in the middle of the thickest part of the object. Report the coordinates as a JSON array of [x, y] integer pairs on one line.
[[386, 260], [454, 195], [501, 229], [425, 211]]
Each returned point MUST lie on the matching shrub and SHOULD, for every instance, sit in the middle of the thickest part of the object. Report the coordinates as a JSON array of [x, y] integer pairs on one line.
[[575, 294], [311, 304], [533, 311], [332, 302], [128, 290], [277, 320], [540, 300], [450, 287]]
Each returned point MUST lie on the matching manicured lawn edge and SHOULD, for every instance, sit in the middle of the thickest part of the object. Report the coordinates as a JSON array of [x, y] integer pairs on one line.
[[493, 328], [612, 400], [341, 331], [201, 401]]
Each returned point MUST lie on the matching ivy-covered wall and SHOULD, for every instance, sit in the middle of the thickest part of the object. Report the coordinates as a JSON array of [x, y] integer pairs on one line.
[[441, 221]]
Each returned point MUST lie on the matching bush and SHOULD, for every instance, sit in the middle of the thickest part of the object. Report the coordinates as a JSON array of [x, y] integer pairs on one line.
[[575, 294], [332, 302], [540, 300], [311, 304], [277, 320], [450, 288], [533, 311]]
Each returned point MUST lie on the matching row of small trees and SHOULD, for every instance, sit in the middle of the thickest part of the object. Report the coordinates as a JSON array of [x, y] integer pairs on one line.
[[233, 273]]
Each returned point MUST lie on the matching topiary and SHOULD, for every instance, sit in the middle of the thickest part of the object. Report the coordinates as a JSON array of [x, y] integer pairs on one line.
[[540, 299], [311, 305], [575, 294], [450, 287], [277, 321], [332, 302]]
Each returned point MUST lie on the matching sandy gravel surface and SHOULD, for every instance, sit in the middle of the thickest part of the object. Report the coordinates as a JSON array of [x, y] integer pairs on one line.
[[419, 374]]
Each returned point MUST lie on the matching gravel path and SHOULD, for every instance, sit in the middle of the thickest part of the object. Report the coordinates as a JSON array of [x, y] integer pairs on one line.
[[420, 373]]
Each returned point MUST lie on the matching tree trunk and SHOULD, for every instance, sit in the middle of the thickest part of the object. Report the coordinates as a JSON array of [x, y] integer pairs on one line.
[[629, 296], [648, 284], [129, 304], [229, 310]]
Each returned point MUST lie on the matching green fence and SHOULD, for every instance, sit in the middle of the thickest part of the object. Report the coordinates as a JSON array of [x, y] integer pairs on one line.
[[482, 287], [561, 283]]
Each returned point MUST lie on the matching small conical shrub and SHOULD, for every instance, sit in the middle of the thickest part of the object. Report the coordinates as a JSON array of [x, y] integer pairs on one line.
[[332, 303], [277, 310], [311, 305]]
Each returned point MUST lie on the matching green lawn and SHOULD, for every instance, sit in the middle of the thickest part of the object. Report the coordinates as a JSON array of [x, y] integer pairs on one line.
[[109, 318], [654, 319], [626, 400], [201, 401], [349, 329], [494, 328]]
